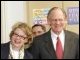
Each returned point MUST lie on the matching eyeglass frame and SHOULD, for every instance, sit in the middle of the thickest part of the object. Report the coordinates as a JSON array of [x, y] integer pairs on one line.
[[17, 35]]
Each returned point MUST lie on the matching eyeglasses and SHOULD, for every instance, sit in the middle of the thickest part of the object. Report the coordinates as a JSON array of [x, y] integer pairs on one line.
[[17, 35]]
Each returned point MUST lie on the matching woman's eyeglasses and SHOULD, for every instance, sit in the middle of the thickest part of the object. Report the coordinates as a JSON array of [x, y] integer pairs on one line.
[[21, 37]]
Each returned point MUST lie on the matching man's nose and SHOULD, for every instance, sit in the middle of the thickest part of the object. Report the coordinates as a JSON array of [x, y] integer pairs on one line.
[[57, 21]]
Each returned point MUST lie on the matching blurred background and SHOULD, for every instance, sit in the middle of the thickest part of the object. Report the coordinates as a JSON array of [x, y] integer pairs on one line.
[[35, 12]]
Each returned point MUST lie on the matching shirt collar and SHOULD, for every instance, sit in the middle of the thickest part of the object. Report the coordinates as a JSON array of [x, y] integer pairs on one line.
[[61, 35]]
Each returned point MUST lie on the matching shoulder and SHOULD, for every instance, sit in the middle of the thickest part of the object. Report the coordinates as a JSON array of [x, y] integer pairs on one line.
[[43, 36], [4, 50], [72, 36], [39, 41], [4, 45], [69, 33]]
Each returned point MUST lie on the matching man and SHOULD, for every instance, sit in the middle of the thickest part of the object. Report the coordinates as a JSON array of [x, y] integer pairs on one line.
[[38, 29], [47, 46]]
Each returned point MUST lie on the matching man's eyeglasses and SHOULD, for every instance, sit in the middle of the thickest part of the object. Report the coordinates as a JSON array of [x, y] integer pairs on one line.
[[21, 37]]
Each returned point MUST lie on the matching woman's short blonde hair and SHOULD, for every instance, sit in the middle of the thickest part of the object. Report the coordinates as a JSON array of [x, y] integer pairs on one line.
[[26, 29]]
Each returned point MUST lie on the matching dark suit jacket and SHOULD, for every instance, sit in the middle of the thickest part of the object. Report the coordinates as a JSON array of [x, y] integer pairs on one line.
[[5, 49], [42, 47]]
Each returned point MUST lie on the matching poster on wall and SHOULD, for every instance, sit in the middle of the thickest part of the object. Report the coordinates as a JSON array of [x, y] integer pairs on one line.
[[73, 15], [40, 16]]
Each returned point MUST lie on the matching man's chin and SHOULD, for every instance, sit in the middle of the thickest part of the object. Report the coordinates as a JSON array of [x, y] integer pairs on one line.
[[57, 31]]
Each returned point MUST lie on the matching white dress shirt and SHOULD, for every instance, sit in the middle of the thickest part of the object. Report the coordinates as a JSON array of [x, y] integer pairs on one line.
[[54, 38]]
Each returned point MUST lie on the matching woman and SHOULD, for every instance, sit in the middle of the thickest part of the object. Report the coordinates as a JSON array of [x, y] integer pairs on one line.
[[14, 49]]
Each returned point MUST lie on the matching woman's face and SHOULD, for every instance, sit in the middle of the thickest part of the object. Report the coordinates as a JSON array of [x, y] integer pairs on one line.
[[18, 38]]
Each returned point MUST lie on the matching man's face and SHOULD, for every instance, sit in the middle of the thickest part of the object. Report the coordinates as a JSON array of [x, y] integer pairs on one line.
[[37, 31], [57, 20]]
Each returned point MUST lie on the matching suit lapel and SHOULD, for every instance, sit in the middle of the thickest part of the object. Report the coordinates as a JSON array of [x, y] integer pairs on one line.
[[49, 45], [68, 45], [27, 55]]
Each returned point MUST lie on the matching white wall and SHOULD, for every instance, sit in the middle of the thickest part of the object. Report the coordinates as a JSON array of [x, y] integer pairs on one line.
[[11, 12]]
